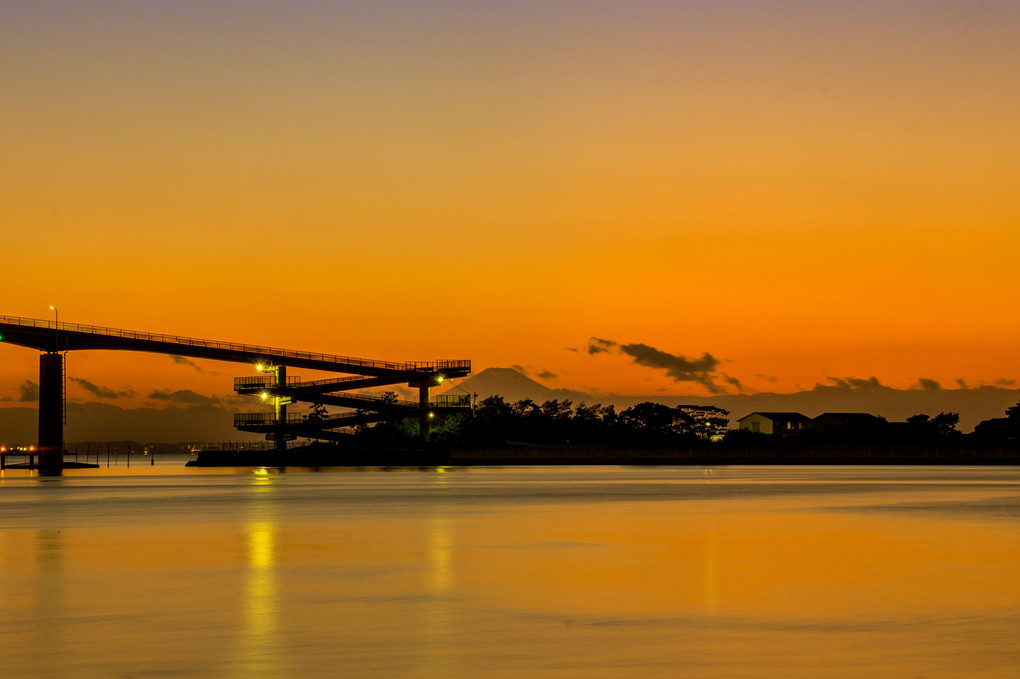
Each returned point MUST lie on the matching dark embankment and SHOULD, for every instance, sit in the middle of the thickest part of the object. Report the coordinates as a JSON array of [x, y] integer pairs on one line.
[[602, 455]]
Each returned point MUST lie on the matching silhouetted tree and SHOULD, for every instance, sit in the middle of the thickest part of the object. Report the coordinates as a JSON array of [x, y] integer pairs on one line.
[[929, 430], [706, 421], [650, 423], [1000, 430], [944, 424], [318, 413]]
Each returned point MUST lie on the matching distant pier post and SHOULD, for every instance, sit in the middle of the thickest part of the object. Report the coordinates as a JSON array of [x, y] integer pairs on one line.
[[51, 413]]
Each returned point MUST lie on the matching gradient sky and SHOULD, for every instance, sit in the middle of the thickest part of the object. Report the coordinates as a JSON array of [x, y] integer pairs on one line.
[[804, 190]]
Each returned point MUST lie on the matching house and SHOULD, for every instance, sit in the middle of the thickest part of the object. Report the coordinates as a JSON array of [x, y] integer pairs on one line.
[[857, 421], [783, 424]]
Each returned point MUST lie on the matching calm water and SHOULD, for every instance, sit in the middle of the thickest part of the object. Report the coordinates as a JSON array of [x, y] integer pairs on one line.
[[516, 572]]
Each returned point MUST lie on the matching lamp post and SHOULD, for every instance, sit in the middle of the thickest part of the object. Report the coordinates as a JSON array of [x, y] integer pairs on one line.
[[56, 325]]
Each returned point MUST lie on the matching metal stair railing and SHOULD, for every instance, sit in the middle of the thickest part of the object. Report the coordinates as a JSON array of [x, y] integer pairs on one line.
[[257, 382], [266, 419]]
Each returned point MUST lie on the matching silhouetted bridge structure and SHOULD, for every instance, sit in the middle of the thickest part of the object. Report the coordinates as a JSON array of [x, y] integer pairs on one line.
[[271, 386]]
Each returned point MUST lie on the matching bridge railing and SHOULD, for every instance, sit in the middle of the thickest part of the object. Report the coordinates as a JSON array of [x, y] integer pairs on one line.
[[452, 401], [370, 398], [261, 382], [249, 419], [255, 350]]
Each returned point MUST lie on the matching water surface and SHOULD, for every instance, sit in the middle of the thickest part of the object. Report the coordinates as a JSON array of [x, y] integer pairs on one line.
[[511, 572]]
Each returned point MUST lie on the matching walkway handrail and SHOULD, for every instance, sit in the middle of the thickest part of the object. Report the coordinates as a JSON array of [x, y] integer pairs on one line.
[[266, 352]]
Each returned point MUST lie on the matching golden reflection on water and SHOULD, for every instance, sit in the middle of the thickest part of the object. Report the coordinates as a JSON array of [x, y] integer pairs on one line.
[[258, 651], [439, 619]]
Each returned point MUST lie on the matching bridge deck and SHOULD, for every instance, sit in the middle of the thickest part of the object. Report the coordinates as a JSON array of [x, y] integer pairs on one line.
[[52, 336]]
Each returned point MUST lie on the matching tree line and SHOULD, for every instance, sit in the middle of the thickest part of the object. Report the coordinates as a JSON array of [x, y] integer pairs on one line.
[[496, 421]]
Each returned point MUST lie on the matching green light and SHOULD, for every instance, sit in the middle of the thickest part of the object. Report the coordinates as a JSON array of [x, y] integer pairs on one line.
[[1, 337]]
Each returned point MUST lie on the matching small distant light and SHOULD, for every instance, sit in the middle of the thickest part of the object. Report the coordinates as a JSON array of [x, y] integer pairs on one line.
[[264, 395], [258, 367], [431, 415], [440, 379]]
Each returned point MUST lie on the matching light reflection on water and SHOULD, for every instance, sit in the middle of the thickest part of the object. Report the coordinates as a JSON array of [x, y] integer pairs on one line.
[[604, 571]]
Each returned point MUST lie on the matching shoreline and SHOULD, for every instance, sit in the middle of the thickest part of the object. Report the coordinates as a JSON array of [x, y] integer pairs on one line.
[[601, 455]]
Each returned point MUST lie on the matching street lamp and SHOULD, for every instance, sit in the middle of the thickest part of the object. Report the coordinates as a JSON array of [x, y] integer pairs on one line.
[[56, 325]]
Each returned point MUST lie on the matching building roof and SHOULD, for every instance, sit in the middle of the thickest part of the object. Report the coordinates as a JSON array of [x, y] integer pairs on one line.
[[776, 416], [848, 417]]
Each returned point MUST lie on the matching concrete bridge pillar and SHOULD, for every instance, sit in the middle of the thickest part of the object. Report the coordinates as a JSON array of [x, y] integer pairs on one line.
[[424, 426], [51, 413], [280, 403]]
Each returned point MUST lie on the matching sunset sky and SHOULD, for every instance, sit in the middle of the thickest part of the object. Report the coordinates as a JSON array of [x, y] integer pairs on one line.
[[802, 190]]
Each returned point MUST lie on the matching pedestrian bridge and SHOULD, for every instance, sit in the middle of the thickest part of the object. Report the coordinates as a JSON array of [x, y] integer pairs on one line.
[[272, 386]]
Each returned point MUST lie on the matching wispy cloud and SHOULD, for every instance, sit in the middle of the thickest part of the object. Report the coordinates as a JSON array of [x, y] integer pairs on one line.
[[854, 383], [181, 360], [532, 371], [29, 391], [100, 392], [926, 384]]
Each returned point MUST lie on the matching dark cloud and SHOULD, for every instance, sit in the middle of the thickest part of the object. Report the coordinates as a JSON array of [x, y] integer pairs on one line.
[[701, 370], [855, 383], [186, 396], [233, 400], [531, 371], [927, 384], [98, 391], [597, 345], [1004, 383], [29, 391], [768, 378], [186, 361], [734, 381], [963, 385]]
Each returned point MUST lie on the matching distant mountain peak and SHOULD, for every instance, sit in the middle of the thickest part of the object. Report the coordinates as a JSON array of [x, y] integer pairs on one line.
[[511, 384]]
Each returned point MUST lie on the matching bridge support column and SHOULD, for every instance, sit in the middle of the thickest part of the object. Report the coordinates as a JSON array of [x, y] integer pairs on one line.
[[51, 414], [424, 426], [281, 409]]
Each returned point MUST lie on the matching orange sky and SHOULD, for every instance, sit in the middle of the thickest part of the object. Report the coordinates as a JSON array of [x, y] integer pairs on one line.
[[803, 190]]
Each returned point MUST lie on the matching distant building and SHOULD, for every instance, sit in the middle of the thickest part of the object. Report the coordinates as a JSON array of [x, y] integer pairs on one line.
[[783, 424], [857, 421], [849, 428]]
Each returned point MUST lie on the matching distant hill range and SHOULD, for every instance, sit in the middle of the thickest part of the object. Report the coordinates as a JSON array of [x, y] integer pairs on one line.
[[867, 396]]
